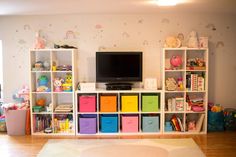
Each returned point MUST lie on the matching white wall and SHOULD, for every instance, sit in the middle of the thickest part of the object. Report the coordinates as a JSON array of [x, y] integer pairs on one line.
[[121, 32], [1, 72]]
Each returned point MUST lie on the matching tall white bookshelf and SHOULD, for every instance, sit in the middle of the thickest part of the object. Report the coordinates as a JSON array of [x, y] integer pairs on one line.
[[188, 101], [51, 64]]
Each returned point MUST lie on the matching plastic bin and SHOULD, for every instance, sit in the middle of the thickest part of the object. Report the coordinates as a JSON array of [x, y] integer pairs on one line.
[[15, 121]]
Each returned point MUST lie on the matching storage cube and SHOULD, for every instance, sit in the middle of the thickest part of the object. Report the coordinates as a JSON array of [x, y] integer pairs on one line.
[[129, 103], [109, 123], [150, 103], [129, 123], [87, 103], [108, 103], [88, 124], [150, 124]]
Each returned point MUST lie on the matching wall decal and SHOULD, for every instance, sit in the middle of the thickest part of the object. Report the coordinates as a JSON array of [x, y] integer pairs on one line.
[[211, 26], [70, 35], [165, 20], [140, 21], [26, 27], [50, 25], [125, 35], [220, 44], [21, 41], [98, 26], [125, 23], [227, 27], [145, 42], [16, 31], [101, 48], [114, 45]]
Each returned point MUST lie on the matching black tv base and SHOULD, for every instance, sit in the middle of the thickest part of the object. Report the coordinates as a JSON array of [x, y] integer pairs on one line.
[[118, 86]]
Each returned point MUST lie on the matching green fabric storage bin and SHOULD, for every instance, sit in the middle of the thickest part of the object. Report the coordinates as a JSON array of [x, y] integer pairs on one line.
[[150, 124], [150, 103]]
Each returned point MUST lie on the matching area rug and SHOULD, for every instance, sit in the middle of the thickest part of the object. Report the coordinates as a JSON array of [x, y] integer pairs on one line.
[[121, 148]]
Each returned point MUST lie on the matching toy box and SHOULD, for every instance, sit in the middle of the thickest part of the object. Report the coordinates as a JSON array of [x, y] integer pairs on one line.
[[129, 123], [150, 103], [87, 103], [88, 124], [108, 103], [109, 123], [230, 119], [3, 127], [150, 124], [129, 103]]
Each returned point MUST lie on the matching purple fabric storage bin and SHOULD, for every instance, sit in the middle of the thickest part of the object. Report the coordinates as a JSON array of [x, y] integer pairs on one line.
[[88, 124], [15, 121]]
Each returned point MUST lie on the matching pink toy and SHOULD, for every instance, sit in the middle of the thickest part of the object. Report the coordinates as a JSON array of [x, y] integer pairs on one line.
[[176, 61], [39, 42], [58, 84], [191, 126]]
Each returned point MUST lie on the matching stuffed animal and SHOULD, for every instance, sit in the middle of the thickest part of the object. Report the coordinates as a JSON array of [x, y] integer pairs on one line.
[[58, 84], [172, 42], [193, 40], [39, 41]]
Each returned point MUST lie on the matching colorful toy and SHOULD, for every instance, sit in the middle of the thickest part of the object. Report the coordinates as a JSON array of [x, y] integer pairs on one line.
[[67, 86], [176, 61], [180, 83], [43, 84], [193, 40], [58, 84]]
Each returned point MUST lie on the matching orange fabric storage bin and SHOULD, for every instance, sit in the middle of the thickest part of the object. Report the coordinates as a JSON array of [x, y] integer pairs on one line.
[[108, 103]]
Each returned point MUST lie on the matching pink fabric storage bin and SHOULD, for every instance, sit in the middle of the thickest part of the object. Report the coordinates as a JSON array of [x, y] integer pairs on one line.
[[15, 121], [129, 123], [87, 103]]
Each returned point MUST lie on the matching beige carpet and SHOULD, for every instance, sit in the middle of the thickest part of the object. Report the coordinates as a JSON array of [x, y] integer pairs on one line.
[[121, 148]]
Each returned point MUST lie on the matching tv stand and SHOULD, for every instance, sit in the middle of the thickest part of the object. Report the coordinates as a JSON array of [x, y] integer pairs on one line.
[[118, 86]]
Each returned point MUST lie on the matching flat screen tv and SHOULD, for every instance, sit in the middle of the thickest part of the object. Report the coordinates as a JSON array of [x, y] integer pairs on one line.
[[119, 67]]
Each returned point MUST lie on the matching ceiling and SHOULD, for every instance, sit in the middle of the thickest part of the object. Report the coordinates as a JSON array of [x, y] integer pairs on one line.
[[45, 7]]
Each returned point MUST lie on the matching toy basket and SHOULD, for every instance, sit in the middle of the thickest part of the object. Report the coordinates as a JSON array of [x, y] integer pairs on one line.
[[15, 121], [230, 119], [215, 121]]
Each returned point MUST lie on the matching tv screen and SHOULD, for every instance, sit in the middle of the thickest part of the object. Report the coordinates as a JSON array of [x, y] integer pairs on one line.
[[119, 66]]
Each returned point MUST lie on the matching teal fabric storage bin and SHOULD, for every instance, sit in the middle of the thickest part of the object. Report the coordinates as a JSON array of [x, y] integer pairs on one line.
[[109, 123], [150, 124], [150, 103]]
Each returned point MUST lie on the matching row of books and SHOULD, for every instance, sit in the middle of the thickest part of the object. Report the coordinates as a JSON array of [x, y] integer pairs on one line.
[[175, 104], [195, 82]]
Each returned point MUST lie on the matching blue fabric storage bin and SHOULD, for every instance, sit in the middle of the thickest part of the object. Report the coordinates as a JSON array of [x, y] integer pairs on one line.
[[150, 124], [109, 123], [215, 121]]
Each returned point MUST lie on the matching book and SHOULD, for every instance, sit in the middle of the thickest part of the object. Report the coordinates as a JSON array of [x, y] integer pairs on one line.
[[200, 83]]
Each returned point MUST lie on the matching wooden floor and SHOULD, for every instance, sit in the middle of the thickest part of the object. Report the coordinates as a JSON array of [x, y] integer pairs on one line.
[[221, 144]]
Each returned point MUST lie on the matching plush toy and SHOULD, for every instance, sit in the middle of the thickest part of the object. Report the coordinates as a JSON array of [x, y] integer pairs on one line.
[[67, 86], [39, 41], [171, 84], [193, 40], [58, 84], [172, 42]]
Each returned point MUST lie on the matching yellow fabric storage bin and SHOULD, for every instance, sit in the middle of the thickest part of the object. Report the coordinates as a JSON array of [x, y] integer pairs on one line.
[[129, 103]]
